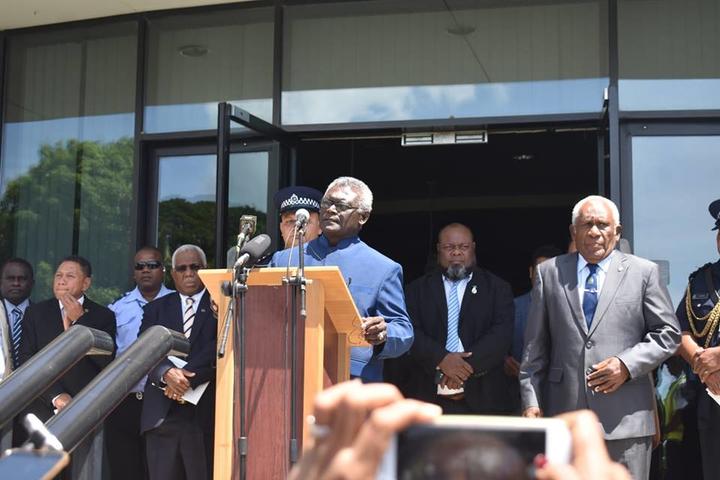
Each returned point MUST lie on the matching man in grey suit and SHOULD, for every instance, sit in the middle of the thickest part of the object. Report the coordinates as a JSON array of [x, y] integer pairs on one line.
[[600, 321]]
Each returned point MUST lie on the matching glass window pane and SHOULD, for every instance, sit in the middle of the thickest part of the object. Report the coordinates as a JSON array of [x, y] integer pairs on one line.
[[248, 192], [186, 199], [186, 203], [196, 61], [668, 54], [425, 59], [674, 179], [67, 153]]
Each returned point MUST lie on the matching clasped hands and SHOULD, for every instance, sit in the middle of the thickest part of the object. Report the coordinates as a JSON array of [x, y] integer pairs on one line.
[[177, 383], [374, 330], [455, 369], [706, 364]]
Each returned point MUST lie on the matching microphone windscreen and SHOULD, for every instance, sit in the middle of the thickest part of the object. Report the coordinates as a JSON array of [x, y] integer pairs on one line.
[[302, 215], [257, 247]]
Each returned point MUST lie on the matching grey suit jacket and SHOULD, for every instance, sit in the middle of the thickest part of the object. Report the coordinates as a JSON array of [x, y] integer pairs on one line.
[[634, 321]]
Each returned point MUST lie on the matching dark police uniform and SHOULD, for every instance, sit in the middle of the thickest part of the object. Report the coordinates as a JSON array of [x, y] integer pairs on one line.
[[699, 314]]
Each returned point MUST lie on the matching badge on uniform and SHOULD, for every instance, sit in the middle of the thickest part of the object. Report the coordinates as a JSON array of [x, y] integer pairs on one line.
[[474, 289]]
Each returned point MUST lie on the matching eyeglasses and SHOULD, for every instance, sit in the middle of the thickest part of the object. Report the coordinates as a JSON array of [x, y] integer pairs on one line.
[[193, 266], [152, 265], [339, 206], [449, 247]]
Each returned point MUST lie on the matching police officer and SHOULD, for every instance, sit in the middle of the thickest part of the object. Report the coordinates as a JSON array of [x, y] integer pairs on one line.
[[122, 428], [699, 316], [288, 201]]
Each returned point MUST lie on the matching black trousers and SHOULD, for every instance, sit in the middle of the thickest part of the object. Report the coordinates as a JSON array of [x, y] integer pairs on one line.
[[124, 445], [178, 449], [454, 407], [708, 415]]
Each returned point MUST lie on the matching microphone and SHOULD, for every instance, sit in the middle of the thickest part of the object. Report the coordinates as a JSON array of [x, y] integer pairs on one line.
[[247, 228], [253, 251], [301, 218]]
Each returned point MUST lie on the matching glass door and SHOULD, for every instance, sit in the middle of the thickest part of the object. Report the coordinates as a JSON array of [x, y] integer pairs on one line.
[[185, 200], [670, 181]]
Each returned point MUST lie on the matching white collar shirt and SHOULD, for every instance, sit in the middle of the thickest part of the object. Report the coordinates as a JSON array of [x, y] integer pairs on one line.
[[583, 272]]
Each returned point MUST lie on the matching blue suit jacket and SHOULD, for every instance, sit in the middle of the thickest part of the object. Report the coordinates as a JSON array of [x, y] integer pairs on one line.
[[167, 311], [375, 283]]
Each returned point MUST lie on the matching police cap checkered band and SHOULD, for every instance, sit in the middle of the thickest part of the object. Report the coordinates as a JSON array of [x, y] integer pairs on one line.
[[292, 198]]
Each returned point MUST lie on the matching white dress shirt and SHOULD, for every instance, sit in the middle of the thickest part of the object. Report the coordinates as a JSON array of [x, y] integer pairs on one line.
[[583, 272]]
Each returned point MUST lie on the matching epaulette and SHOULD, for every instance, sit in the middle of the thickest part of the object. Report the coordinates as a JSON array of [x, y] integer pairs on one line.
[[121, 297], [692, 275]]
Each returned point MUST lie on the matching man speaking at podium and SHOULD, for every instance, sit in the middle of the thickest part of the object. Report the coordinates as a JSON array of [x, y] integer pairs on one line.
[[374, 281]]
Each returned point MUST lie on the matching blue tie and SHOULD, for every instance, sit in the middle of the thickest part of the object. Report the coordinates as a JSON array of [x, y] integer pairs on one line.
[[590, 298], [452, 344], [16, 333]]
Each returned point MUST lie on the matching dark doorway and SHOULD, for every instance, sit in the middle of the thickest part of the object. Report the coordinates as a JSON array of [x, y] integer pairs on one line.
[[515, 192]]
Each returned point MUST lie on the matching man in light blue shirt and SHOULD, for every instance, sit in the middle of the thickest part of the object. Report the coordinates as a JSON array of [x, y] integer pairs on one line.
[[122, 428], [374, 280]]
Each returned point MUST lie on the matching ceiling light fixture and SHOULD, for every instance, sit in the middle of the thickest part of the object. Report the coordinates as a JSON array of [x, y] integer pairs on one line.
[[460, 30], [193, 51]]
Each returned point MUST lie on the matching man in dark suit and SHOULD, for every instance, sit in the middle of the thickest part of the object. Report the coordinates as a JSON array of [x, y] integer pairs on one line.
[[179, 436], [463, 321], [16, 283], [46, 320]]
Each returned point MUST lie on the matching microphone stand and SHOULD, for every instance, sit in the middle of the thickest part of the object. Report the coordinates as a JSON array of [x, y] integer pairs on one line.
[[235, 313], [298, 282], [241, 274]]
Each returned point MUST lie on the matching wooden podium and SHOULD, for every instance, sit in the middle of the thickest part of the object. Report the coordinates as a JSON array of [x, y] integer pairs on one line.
[[324, 339]]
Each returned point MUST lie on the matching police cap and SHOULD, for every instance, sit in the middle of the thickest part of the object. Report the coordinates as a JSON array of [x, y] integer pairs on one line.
[[714, 209], [290, 199]]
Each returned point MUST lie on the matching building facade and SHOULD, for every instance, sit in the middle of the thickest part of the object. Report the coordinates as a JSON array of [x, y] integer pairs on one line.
[[109, 125]]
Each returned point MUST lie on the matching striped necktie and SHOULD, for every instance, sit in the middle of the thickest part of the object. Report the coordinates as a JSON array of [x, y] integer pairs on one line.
[[452, 343], [188, 316], [590, 298], [16, 335]]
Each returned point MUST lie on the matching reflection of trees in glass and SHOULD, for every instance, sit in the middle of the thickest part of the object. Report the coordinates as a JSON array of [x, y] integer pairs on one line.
[[181, 221], [40, 219]]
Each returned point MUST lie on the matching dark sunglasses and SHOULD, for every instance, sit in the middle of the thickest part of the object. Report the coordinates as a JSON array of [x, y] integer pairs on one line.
[[194, 267], [152, 265]]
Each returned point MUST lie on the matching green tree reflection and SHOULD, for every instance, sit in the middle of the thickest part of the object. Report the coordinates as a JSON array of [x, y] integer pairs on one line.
[[79, 196]]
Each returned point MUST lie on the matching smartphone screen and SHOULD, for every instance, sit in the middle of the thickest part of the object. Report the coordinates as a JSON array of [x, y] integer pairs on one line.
[[458, 452], [30, 464], [470, 447]]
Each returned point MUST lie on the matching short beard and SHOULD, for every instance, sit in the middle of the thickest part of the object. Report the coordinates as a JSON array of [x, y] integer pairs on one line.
[[456, 272]]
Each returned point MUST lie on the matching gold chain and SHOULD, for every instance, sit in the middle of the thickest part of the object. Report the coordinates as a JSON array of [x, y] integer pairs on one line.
[[711, 320]]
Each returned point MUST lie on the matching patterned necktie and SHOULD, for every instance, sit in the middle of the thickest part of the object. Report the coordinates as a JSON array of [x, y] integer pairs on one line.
[[590, 298], [452, 344], [188, 316], [16, 335]]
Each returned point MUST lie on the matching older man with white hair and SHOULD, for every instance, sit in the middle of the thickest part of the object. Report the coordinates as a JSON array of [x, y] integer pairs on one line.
[[178, 434], [600, 321], [374, 281]]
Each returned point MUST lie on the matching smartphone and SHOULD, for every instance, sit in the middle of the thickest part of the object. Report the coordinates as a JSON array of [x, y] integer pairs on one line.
[[475, 446], [32, 464]]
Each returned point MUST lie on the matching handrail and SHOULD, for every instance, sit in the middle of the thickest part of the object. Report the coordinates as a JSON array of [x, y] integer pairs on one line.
[[105, 392], [48, 365]]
